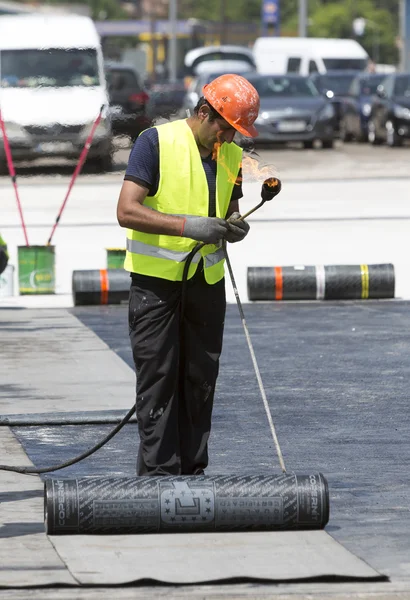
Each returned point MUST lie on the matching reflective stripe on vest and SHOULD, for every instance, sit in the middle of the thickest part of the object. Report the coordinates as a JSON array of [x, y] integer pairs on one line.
[[183, 190], [143, 249], [137, 247]]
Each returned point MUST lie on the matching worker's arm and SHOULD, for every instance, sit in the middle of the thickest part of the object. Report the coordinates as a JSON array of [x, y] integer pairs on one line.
[[141, 179], [132, 214]]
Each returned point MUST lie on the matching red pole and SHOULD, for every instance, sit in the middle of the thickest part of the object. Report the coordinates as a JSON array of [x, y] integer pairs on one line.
[[12, 174], [77, 170]]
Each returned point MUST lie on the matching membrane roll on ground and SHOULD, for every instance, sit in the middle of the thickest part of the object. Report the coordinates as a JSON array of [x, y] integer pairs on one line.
[[321, 282], [100, 286], [113, 505]]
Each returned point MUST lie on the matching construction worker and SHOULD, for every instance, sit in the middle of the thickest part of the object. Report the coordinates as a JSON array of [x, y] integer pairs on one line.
[[4, 256], [182, 183]]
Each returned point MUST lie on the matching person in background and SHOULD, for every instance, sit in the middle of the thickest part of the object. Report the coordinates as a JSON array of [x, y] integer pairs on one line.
[[4, 256]]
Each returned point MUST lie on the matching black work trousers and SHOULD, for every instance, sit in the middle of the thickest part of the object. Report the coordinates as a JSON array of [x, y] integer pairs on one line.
[[176, 360]]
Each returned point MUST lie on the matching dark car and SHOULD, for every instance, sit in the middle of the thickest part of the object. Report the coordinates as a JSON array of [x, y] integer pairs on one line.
[[389, 119], [166, 99], [357, 105], [128, 100], [335, 86], [292, 110]]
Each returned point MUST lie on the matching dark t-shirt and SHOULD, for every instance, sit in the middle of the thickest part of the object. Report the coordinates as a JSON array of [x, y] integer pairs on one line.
[[143, 168]]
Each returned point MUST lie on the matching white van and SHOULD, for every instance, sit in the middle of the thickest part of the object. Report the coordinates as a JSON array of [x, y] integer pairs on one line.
[[52, 87], [280, 55]]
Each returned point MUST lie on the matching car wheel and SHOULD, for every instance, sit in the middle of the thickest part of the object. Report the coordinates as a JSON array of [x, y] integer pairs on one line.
[[308, 144], [371, 134], [328, 144], [392, 137], [345, 135]]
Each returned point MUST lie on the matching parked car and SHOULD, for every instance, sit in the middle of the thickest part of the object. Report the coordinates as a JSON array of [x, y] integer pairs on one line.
[[52, 87], [335, 85], [292, 110], [356, 106], [389, 119], [128, 100], [165, 99], [209, 71]]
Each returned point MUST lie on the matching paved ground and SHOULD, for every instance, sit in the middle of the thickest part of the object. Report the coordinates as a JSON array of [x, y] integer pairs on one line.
[[336, 378], [339, 369]]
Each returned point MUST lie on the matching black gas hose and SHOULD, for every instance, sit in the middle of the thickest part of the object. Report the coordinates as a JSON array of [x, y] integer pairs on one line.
[[124, 421], [270, 188]]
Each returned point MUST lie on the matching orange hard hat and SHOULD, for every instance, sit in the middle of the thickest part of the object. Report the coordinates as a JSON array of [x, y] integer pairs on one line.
[[236, 100]]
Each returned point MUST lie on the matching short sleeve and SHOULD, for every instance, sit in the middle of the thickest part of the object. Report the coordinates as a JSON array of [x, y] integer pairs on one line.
[[143, 162]]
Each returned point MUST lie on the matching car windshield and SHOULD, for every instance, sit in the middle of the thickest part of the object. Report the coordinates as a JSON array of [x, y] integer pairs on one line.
[[368, 87], [338, 84], [211, 56], [49, 68], [284, 87], [358, 64], [402, 86]]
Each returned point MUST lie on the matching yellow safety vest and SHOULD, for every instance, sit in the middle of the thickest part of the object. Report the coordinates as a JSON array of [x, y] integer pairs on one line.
[[3, 246], [183, 190]]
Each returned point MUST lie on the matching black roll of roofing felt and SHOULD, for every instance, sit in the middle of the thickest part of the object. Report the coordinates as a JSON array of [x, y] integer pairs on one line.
[[328, 282], [100, 286], [109, 505]]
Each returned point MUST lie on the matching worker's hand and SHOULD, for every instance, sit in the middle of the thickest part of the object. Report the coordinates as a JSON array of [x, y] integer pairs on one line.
[[237, 229], [210, 230]]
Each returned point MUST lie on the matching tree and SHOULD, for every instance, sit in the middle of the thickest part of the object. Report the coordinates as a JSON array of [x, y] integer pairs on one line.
[[99, 9], [336, 20]]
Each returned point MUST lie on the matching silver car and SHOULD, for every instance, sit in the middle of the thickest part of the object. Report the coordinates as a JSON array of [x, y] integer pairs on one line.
[[292, 110]]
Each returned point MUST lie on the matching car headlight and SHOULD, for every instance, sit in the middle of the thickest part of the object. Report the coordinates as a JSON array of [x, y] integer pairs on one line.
[[327, 112], [13, 131], [366, 109], [401, 112]]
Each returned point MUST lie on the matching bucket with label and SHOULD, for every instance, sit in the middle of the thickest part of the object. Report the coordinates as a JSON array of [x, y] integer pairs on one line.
[[36, 269], [115, 258]]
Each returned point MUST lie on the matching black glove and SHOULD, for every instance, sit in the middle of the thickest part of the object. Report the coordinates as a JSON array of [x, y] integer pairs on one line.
[[238, 230], [205, 229]]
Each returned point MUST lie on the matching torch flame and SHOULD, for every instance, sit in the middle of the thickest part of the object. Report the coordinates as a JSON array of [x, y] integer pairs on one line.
[[216, 155], [254, 172], [271, 182], [250, 169]]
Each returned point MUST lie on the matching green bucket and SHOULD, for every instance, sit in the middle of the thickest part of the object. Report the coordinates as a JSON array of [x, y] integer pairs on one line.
[[115, 258], [36, 269]]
